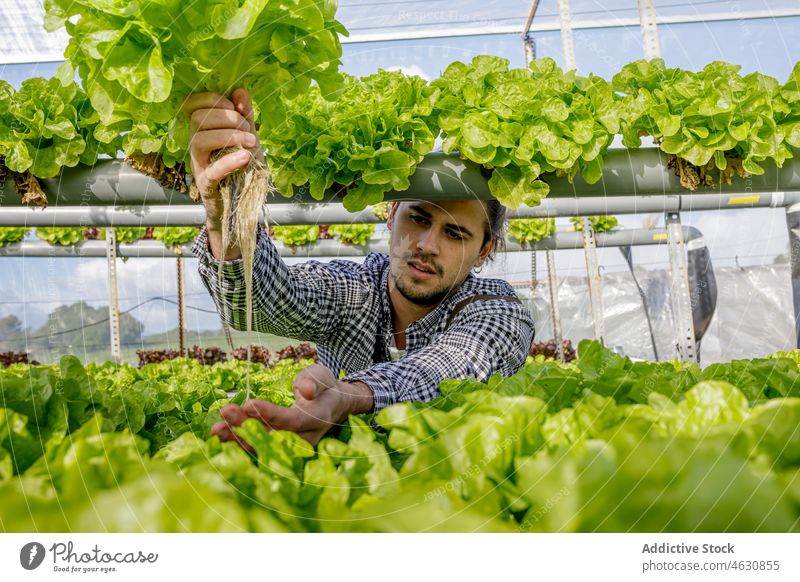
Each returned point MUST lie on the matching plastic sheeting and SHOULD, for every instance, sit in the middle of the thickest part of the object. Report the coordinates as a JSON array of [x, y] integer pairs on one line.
[[754, 315], [23, 38]]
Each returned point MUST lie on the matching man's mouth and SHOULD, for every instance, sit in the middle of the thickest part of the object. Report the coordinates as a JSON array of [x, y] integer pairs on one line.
[[421, 267]]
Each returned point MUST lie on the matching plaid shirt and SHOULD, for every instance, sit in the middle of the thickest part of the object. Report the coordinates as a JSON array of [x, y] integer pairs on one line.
[[343, 307]]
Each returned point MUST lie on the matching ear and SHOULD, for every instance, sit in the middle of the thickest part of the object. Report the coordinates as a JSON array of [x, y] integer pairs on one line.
[[485, 252], [392, 212]]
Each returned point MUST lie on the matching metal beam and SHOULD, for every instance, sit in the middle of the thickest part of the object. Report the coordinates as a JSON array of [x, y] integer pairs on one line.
[[555, 313], [680, 291], [110, 245], [333, 248], [649, 28], [593, 278], [567, 39], [553, 25], [335, 213]]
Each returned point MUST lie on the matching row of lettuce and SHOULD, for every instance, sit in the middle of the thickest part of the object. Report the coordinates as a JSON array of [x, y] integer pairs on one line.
[[367, 137], [523, 230], [601, 444], [176, 237], [211, 355]]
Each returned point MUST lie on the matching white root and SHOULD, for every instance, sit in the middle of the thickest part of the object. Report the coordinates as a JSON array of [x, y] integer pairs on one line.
[[243, 195]]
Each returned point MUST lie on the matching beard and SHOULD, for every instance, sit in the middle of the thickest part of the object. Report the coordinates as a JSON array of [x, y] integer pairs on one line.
[[421, 298]]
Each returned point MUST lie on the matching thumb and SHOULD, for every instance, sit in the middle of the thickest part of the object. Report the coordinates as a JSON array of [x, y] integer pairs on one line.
[[311, 382], [307, 388]]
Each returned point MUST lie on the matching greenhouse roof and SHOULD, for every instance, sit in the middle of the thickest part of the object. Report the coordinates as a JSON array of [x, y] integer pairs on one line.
[[24, 40]]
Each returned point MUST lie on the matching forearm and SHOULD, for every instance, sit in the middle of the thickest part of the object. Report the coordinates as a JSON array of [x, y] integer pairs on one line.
[[296, 302], [270, 282], [214, 230]]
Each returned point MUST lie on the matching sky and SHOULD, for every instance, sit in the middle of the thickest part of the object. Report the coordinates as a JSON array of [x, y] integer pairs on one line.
[[31, 288]]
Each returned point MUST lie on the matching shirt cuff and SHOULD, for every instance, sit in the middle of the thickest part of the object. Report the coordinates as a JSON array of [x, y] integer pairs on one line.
[[383, 393], [202, 250]]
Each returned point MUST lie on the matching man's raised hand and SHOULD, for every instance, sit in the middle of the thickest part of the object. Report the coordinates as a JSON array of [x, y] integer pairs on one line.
[[216, 123]]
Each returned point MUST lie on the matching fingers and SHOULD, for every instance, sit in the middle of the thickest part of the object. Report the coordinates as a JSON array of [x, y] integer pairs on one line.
[[273, 416], [227, 164], [204, 119], [197, 101], [232, 416], [244, 105], [205, 142], [224, 432]]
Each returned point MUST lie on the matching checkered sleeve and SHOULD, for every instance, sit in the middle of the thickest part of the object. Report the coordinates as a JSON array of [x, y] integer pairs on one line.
[[306, 301], [479, 345]]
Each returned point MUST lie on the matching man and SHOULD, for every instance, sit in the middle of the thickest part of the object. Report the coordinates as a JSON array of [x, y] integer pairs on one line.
[[395, 325]]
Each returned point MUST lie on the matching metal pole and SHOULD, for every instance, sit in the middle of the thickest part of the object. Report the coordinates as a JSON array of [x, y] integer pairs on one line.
[[533, 281], [651, 48], [593, 279], [649, 28], [793, 225], [181, 310], [555, 315], [528, 42], [567, 40], [113, 296], [529, 48], [680, 292]]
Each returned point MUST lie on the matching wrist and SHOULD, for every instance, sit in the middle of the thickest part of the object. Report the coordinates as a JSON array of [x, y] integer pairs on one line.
[[357, 399]]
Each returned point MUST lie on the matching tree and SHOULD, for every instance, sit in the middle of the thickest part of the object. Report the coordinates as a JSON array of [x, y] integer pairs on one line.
[[10, 330], [78, 328], [9, 325]]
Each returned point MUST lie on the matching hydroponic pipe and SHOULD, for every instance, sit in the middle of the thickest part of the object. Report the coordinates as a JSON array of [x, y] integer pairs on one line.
[[182, 215], [637, 172], [333, 248]]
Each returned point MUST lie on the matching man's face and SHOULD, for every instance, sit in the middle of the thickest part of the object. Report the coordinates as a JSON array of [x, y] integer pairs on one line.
[[434, 246]]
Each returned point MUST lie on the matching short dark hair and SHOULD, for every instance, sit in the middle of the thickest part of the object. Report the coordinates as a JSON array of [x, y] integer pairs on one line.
[[495, 226]]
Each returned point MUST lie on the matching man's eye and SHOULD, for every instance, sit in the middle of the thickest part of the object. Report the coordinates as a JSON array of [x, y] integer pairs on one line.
[[418, 219], [454, 235]]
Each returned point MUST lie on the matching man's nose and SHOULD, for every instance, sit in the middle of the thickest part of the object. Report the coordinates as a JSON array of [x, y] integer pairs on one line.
[[428, 242]]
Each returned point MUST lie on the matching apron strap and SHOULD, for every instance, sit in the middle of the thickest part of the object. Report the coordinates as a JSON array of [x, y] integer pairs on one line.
[[469, 300]]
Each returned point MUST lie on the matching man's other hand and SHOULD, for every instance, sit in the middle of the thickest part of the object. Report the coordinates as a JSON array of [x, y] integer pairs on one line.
[[321, 401]]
